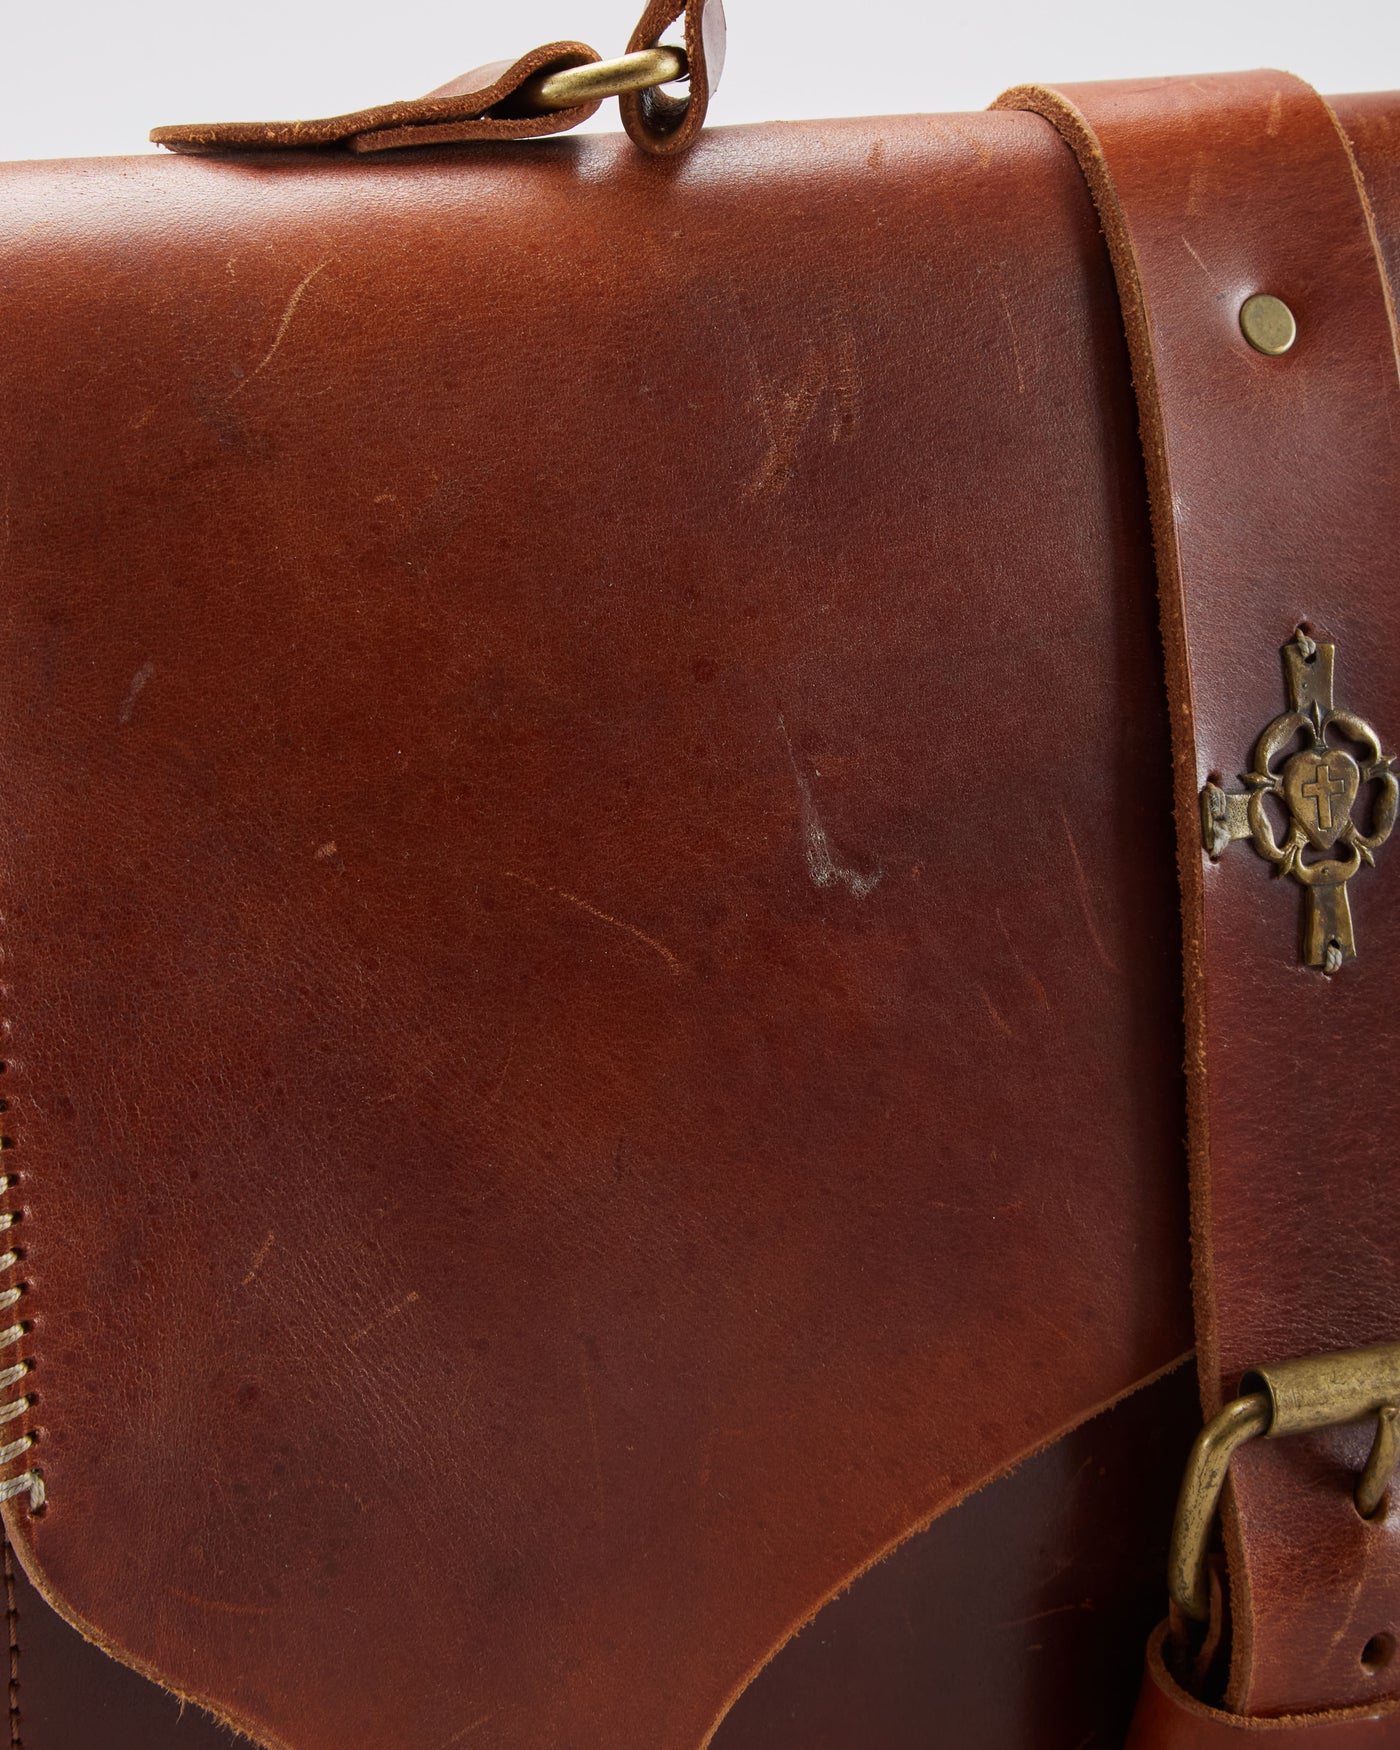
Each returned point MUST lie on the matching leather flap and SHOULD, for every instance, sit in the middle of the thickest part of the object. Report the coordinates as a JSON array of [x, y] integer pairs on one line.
[[591, 945]]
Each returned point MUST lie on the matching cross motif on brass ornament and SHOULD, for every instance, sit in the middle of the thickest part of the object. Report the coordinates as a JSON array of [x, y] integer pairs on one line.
[[1316, 787]]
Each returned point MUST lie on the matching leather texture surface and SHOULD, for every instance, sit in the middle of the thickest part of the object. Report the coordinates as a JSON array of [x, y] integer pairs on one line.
[[475, 106], [1014, 1620], [1371, 122], [592, 964], [501, 1172], [1212, 190], [1168, 1718], [72, 1696]]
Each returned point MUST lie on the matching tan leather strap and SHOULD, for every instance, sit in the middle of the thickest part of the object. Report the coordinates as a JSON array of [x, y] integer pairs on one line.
[[490, 103], [1275, 486], [1167, 1718]]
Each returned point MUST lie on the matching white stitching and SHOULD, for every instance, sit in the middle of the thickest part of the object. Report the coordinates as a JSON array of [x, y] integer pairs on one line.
[[30, 1481]]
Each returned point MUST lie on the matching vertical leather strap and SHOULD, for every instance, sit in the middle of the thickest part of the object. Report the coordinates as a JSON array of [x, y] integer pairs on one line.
[[1275, 487]]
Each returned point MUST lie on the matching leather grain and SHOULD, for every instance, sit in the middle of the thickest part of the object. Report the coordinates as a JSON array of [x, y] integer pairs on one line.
[[1168, 1718], [590, 964], [592, 968], [71, 1696], [1276, 491], [1016, 1620]]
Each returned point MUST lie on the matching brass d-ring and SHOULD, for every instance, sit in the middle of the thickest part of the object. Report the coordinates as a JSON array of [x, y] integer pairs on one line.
[[1216, 1444], [599, 79]]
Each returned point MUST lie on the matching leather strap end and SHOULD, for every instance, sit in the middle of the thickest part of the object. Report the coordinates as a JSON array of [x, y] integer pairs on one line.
[[1168, 1718], [480, 105], [656, 121]]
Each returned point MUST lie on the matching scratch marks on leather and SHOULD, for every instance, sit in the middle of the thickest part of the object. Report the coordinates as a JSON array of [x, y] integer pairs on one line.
[[820, 394], [1086, 899], [660, 949], [383, 1318], [823, 864], [264, 1251], [289, 310], [995, 1015], [133, 692], [466, 1731], [1015, 341], [222, 1607], [1194, 253]]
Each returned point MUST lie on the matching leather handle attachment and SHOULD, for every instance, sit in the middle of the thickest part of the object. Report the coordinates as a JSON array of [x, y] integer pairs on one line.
[[658, 122], [499, 101]]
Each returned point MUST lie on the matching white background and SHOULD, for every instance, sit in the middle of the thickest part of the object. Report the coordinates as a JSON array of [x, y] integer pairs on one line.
[[91, 76]]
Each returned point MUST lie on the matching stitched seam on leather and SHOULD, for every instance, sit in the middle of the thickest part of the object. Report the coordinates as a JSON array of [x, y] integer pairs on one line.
[[12, 1624], [13, 1332]]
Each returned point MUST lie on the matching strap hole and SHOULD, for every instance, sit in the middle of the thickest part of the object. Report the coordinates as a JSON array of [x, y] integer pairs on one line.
[[1377, 1653]]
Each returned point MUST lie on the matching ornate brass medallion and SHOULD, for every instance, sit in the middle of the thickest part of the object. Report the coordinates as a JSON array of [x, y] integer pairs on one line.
[[1316, 786]]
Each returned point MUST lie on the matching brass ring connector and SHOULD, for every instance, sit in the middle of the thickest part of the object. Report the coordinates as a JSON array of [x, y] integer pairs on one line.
[[598, 79]]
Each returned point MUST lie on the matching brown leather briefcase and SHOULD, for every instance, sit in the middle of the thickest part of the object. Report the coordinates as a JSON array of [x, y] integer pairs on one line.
[[630, 766]]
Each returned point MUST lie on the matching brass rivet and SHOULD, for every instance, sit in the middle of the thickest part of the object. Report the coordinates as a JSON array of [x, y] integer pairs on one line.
[[1268, 324]]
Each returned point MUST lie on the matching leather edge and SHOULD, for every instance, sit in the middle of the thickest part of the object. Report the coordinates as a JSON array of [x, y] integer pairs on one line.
[[245, 1726], [412, 121], [1164, 1702], [947, 1506]]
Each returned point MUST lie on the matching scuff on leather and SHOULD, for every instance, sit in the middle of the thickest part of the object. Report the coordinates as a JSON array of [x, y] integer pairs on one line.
[[602, 917], [289, 311], [823, 865], [787, 407]]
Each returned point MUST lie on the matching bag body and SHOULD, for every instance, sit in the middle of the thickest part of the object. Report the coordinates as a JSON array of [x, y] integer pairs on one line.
[[593, 950]]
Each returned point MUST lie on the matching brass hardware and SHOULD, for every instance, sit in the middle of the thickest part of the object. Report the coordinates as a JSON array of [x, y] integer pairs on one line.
[[1206, 1468], [1289, 1397], [1380, 1466], [1268, 324], [1317, 786], [599, 79]]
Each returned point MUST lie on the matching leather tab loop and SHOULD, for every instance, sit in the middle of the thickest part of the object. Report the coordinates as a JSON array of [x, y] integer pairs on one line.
[[475, 106], [490, 103], [657, 122]]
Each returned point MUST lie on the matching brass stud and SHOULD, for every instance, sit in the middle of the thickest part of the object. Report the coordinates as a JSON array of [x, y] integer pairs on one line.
[[1268, 324]]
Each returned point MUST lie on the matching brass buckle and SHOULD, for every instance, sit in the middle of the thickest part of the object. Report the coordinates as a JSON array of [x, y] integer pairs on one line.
[[1290, 1397]]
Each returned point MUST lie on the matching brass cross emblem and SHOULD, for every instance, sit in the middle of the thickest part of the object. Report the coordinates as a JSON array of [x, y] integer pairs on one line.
[[1314, 792]]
